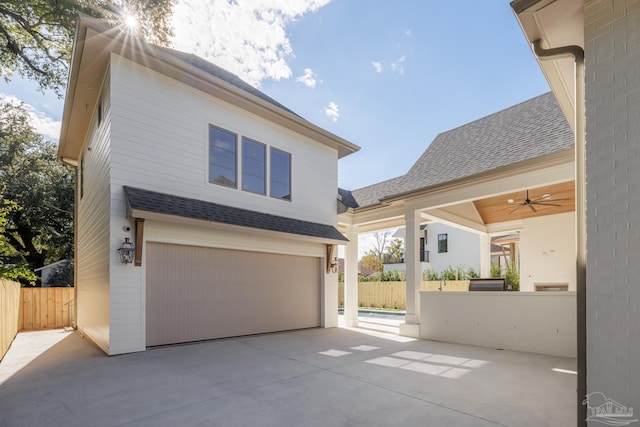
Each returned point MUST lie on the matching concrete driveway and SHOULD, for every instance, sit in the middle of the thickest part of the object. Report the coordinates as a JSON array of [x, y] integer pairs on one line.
[[318, 377]]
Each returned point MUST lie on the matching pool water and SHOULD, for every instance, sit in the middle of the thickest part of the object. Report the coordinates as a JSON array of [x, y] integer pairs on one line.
[[377, 314]]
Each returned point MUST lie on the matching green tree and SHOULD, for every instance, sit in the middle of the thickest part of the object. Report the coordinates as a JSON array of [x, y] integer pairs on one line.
[[36, 35], [394, 253], [372, 262], [39, 229]]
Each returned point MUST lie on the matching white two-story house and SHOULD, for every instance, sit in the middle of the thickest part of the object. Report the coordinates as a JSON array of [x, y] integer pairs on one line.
[[228, 196]]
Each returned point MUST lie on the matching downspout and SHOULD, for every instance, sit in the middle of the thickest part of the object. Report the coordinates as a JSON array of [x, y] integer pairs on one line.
[[581, 218]]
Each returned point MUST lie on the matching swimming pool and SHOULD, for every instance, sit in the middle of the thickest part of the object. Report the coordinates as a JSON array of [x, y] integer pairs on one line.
[[377, 314]]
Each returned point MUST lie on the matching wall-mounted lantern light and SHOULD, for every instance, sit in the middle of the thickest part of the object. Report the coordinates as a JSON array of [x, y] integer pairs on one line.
[[127, 251]]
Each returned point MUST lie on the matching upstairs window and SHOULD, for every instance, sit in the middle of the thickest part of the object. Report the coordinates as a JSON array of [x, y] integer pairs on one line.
[[280, 174], [223, 157], [253, 166], [442, 243]]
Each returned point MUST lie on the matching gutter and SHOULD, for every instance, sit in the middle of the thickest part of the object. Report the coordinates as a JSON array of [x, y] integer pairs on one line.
[[581, 218]]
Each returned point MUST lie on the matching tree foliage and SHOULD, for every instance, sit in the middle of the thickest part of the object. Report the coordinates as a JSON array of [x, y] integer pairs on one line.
[[36, 35], [394, 253], [39, 228], [372, 262]]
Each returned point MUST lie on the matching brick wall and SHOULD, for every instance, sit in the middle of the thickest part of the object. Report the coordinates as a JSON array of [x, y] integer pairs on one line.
[[612, 58]]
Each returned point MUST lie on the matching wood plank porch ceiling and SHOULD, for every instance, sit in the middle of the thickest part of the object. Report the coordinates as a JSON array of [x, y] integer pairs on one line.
[[497, 209]]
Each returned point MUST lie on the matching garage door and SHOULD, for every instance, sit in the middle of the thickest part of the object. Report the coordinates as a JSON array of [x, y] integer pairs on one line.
[[196, 293]]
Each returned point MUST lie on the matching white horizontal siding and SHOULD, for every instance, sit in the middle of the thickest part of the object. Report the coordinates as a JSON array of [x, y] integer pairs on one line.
[[160, 142], [92, 241]]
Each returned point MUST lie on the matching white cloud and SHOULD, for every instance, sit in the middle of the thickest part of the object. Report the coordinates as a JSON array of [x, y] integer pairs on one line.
[[43, 124], [247, 38], [398, 64], [378, 66], [308, 78], [332, 111]]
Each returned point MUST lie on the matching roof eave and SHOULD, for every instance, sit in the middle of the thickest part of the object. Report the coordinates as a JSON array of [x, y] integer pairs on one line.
[[556, 23], [149, 215], [560, 157]]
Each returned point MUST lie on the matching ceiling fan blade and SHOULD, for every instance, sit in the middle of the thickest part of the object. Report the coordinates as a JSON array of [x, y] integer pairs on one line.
[[546, 204], [532, 208], [550, 199], [518, 207]]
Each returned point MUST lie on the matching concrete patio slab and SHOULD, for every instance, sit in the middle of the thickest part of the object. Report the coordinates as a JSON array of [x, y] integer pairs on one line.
[[317, 377]]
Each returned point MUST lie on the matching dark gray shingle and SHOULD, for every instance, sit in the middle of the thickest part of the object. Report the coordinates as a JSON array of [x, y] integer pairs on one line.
[[151, 201], [526, 131], [223, 74]]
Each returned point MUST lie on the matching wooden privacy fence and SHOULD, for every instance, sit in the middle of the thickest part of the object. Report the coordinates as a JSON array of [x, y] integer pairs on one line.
[[391, 295], [46, 308], [9, 313]]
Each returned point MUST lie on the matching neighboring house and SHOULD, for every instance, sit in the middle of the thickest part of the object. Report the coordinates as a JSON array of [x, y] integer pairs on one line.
[[48, 270], [442, 246], [227, 195], [593, 72], [362, 271]]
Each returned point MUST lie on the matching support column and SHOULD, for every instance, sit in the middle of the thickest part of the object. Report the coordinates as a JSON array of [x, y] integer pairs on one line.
[[411, 327], [485, 255], [351, 277]]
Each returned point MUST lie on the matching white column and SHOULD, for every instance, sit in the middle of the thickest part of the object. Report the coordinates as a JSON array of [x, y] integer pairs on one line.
[[485, 255], [411, 327], [351, 277], [329, 295]]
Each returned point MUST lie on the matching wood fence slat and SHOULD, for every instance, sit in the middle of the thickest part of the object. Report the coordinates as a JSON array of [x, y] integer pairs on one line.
[[391, 295], [9, 314], [44, 308]]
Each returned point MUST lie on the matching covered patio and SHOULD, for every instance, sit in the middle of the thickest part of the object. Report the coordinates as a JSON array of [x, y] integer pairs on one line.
[[315, 377], [510, 172]]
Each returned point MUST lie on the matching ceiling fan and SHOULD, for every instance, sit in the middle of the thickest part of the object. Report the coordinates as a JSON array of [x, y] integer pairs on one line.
[[542, 201]]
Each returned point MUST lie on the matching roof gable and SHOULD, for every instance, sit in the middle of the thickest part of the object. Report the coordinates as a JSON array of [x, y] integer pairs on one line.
[[526, 131], [93, 46]]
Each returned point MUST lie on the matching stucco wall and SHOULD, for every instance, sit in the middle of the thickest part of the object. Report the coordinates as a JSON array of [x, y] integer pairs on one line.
[[536, 322], [548, 251], [612, 67]]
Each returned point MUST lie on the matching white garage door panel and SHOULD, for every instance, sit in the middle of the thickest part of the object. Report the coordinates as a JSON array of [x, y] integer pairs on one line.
[[196, 293]]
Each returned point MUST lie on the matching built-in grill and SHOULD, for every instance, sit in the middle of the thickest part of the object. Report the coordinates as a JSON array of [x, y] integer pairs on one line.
[[493, 284]]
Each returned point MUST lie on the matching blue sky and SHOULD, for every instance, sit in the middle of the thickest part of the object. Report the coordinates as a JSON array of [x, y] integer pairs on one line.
[[387, 76]]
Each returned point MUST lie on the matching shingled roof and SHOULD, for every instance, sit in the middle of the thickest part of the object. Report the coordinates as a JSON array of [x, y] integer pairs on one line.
[[151, 201], [526, 131], [222, 74]]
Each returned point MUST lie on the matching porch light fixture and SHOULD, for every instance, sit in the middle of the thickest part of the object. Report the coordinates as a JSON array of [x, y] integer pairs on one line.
[[126, 251], [334, 265]]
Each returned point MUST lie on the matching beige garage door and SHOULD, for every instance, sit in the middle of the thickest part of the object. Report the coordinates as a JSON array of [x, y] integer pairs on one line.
[[196, 293]]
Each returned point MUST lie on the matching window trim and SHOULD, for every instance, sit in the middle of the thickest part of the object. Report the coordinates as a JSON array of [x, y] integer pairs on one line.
[[236, 135], [271, 150], [443, 243]]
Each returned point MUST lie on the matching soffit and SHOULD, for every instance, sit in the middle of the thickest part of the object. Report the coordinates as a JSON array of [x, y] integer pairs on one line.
[[557, 23], [497, 209]]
